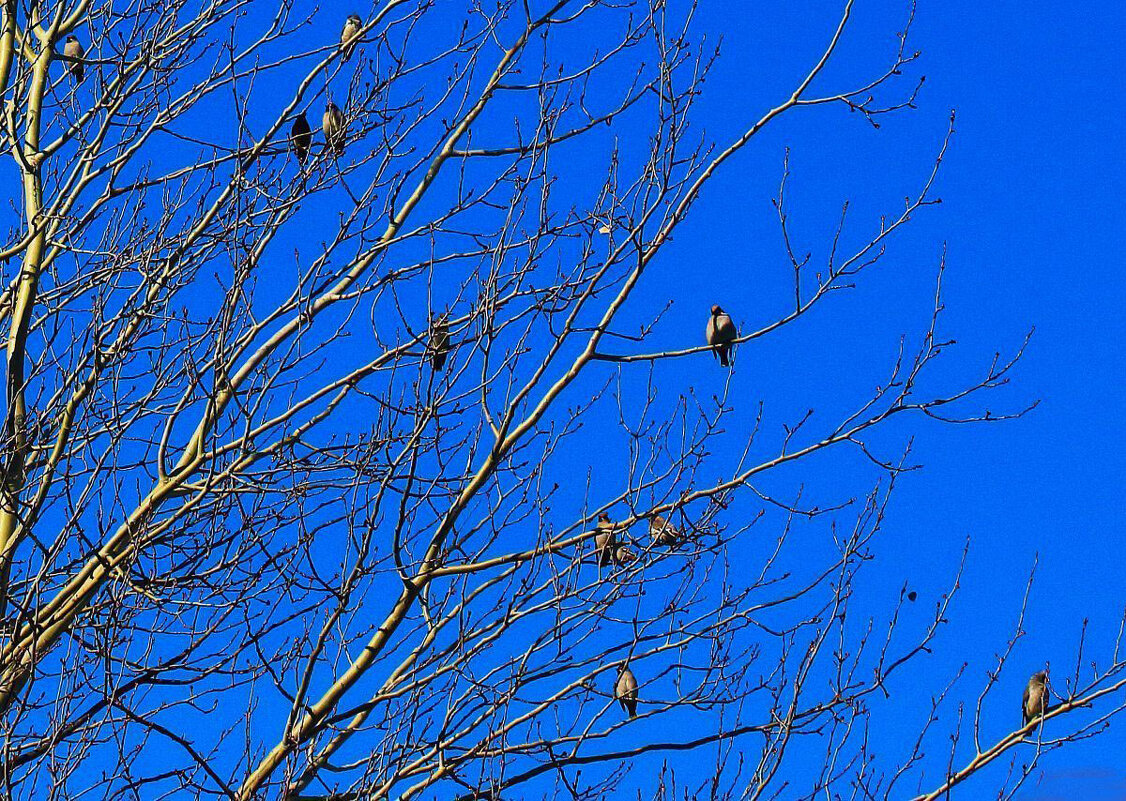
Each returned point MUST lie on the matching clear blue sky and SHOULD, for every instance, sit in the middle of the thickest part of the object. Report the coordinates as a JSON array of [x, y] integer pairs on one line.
[[1033, 223]]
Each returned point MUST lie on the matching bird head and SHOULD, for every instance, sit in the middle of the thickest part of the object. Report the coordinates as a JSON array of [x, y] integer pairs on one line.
[[72, 39], [330, 106], [355, 20], [716, 310], [604, 518], [1040, 676]]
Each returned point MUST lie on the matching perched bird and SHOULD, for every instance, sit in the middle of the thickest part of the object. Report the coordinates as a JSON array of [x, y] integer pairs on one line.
[[439, 346], [721, 334], [1035, 700], [348, 36], [301, 138], [623, 556], [605, 546], [625, 691], [663, 532], [333, 125], [73, 50]]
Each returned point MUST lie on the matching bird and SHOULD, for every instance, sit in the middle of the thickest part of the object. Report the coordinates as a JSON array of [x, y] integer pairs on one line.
[[439, 346], [625, 691], [301, 138], [351, 31], [1035, 700], [333, 125], [74, 51], [622, 556], [663, 532], [605, 546], [721, 334]]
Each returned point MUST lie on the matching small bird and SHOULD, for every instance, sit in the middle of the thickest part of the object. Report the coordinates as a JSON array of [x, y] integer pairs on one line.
[[663, 532], [333, 125], [73, 50], [625, 691], [623, 556], [439, 346], [1035, 700], [348, 36], [721, 333], [301, 138], [605, 546]]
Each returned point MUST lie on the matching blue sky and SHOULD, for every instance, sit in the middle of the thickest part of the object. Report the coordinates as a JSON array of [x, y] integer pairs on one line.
[[1032, 222]]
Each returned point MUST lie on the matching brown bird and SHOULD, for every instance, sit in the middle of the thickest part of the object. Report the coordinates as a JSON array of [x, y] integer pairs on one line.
[[721, 334], [333, 125], [605, 545], [663, 532], [439, 346], [1035, 700], [74, 51], [625, 691], [623, 556], [351, 31], [301, 138]]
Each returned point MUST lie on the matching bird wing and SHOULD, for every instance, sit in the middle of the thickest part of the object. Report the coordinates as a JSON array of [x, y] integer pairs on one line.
[[1024, 704]]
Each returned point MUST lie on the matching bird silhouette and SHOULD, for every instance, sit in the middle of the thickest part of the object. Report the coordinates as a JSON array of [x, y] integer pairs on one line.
[[301, 138], [439, 346]]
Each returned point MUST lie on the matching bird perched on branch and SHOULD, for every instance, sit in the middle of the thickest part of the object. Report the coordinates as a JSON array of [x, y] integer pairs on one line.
[[301, 138], [333, 125], [721, 335], [352, 27], [625, 691], [439, 346], [663, 532], [1035, 700], [605, 545], [73, 50], [623, 556]]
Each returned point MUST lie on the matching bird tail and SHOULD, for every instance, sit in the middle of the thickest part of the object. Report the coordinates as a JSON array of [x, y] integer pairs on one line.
[[724, 357]]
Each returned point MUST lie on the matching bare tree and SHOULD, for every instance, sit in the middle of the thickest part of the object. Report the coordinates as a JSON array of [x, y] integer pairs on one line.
[[290, 506]]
